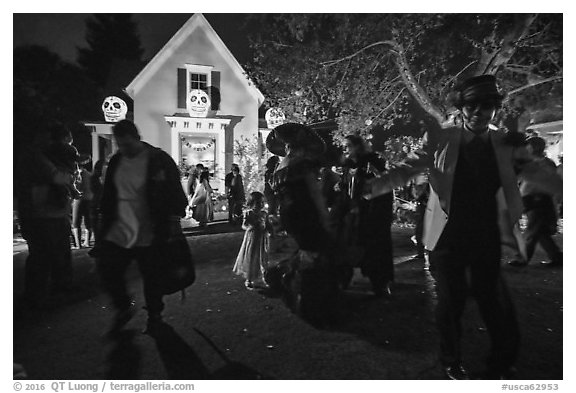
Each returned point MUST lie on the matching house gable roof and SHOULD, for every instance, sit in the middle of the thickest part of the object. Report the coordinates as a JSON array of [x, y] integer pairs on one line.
[[196, 21]]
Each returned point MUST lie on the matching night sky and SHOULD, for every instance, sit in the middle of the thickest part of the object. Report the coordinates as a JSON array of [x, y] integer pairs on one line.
[[63, 33]]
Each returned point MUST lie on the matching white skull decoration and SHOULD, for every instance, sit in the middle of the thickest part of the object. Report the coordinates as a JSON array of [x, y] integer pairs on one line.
[[114, 108], [274, 117], [198, 103]]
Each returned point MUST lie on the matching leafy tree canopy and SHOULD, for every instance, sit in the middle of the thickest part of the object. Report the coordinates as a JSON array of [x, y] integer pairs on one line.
[[369, 71]]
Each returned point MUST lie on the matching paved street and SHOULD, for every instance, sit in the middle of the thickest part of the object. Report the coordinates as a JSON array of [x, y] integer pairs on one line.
[[381, 339]]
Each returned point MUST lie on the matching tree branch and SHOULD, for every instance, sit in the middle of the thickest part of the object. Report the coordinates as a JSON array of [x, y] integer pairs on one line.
[[491, 62], [461, 71], [535, 83], [414, 88], [387, 106], [332, 62]]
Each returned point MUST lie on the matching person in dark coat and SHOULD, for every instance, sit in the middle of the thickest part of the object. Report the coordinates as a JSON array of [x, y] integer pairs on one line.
[[372, 218], [141, 201], [44, 209], [271, 198], [310, 285], [235, 192]]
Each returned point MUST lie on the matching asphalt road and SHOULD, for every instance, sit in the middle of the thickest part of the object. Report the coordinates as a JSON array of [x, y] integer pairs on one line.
[[381, 339]]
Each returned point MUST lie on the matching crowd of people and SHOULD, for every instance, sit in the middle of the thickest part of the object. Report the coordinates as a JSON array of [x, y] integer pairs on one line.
[[471, 182], [478, 181]]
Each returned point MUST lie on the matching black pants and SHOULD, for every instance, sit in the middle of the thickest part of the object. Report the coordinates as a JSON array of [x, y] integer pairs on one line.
[[235, 210], [480, 262], [112, 265], [541, 216], [49, 258]]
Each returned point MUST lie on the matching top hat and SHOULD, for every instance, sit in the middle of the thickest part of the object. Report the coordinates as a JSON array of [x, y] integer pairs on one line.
[[295, 135], [479, 88]]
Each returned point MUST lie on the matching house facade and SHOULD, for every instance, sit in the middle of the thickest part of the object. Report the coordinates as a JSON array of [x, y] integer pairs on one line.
[[193, 100]]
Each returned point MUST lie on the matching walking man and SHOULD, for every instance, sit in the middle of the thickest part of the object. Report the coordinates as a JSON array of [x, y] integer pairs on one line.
[[141, 200]]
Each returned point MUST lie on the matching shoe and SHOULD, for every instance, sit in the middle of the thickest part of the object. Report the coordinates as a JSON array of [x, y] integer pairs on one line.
[[456, 372], [517, 263], [249, 285]]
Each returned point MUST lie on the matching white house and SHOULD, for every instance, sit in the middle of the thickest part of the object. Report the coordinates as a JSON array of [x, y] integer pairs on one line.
[[193, 100]]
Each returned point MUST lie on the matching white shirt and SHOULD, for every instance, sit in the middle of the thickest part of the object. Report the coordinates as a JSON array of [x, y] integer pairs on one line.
[[133, 224]]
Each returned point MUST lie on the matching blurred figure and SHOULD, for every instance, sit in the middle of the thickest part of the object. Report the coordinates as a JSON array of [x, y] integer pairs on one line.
[[141, 201], [271, 198], [82, 207], [97, 187], [65, 156], [420, 193], [371, 220], [252, 260], [193, 179], [559, 197], [235, 192], [539, 207], [310, 285], [201, 201], [44, 213]]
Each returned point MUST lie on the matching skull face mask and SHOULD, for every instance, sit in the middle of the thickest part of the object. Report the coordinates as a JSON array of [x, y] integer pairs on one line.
[[114, 109], [198, 104]]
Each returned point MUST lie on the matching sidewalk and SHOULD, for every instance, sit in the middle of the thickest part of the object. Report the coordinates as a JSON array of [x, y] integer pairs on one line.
[[382, 339]]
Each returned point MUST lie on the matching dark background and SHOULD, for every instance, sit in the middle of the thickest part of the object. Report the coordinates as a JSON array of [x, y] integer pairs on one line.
[[63, 33]]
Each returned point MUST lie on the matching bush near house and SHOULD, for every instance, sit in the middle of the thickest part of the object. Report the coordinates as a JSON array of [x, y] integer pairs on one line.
[[248, 153]]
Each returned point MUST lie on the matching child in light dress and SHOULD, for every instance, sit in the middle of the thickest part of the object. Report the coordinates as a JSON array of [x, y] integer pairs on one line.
[[252, 259]]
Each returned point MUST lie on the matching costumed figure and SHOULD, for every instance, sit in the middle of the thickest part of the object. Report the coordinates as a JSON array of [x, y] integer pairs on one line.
[[309, 285], [364, 226]]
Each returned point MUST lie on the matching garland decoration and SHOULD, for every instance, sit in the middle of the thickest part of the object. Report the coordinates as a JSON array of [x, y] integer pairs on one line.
[[198, 146]]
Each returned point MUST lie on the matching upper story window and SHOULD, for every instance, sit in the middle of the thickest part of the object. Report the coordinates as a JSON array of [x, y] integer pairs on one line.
[[202, 77], [198, 77], [198, 81]]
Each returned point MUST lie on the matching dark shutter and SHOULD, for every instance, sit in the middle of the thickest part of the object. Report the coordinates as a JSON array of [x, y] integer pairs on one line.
[[181, 88], [215, 91]]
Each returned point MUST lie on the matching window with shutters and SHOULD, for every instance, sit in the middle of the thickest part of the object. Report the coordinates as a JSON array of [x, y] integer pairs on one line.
[[195, 76]]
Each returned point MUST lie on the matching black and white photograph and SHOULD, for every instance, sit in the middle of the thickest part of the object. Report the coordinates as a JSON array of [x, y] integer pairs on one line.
[[288, 196]]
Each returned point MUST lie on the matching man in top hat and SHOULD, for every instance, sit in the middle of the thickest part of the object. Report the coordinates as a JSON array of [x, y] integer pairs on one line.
[[473, 192]]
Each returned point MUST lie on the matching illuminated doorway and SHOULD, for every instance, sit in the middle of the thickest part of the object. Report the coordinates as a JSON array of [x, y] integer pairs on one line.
[[199, 149]]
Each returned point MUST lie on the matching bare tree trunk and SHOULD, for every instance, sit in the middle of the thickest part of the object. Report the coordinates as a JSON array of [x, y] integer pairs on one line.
[[491, 60], [414, 87]]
